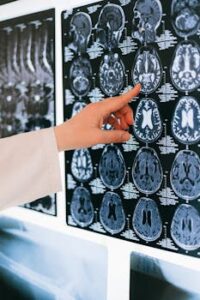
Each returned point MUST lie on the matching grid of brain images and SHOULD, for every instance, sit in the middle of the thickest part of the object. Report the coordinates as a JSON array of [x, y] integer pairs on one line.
[[27, 81], [147, 189]]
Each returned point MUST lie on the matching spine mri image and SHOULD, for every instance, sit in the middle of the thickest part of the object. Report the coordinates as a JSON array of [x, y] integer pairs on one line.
[[145, 190], [27, 76]]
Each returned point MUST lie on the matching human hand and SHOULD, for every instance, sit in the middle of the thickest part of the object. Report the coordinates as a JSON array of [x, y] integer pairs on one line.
[[85, 129]]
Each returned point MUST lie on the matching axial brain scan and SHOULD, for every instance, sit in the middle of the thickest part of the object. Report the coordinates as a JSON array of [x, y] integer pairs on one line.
[[112, 215], [136, 187], [147, 69], [185, 175], [110, 26], [147, 124], [80, 76], [146, 220], [111, 74], [185, 16], [80, 31], [186, 120], [82, 210], [147, 171], [81, 165], [185, 227], [112, 168], [147, 18], [185, 68]]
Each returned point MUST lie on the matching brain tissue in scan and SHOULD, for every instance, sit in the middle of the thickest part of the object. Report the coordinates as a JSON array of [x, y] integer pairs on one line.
[[112, 168], [146, 220], [185, 68], [186, 121], [78, 106], [185, 175], [112, 215], [147, 124], [185, 227], [81, 208], [147, 18], [111, 74], [80, 76], [185, 17], [147, 171], [110, 26], [81, 165], [80, 32], [147, 69]]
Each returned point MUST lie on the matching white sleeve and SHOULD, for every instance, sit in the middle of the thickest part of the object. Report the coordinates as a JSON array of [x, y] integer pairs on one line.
[[29, 167]]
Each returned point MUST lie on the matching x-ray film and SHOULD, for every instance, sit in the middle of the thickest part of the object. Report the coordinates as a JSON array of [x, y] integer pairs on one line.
[[145, 190], [27, 77]]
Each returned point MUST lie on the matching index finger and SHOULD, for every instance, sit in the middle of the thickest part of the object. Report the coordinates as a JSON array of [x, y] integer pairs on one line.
[[113, 104]]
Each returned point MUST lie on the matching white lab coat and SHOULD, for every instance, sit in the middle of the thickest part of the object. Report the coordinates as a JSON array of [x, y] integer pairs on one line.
[[29, 167]]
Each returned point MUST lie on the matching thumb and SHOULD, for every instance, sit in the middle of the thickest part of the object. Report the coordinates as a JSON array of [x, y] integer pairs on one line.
[[113, 136], [114, 104]]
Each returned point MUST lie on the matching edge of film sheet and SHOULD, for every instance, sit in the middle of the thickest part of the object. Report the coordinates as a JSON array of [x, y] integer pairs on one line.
[[146, 190], [27, 81]]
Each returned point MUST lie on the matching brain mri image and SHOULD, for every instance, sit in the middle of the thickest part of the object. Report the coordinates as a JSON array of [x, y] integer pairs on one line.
[[185, 68], [112, 168], [185, 175], [147, 69], [80, 32], [186, 17], [186, 120], [185, 227], [112, 215], [147, 171], [111, 74], [147, 222], [80, 76], [110, 26], [81, 207], [147, 17], [147, 124], [81, 165], [137, 188], [78, 106]]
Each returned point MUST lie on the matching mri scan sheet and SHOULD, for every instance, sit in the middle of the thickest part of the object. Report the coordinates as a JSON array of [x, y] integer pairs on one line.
[[146, 190], [27, 96]]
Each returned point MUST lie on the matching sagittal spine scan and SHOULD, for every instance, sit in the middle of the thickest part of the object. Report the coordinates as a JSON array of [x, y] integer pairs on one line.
[[27, 76], [112, 168], [147, 123], [185, 68], [185, 227], [110, 26], [80, 76], [147, 18], [147, 69], [80, 32], [82, 210], [185, 17], [81, 165], [186, 120], [112, 215], [185, 175], [147, 171], [147, 222], [111, 74]]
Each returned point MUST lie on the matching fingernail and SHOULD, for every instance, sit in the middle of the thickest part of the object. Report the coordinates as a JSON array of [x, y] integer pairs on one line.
[[138, 85], [125, 136]]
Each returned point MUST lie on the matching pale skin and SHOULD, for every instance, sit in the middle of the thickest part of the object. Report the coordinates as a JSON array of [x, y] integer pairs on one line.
[[85, 129]]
